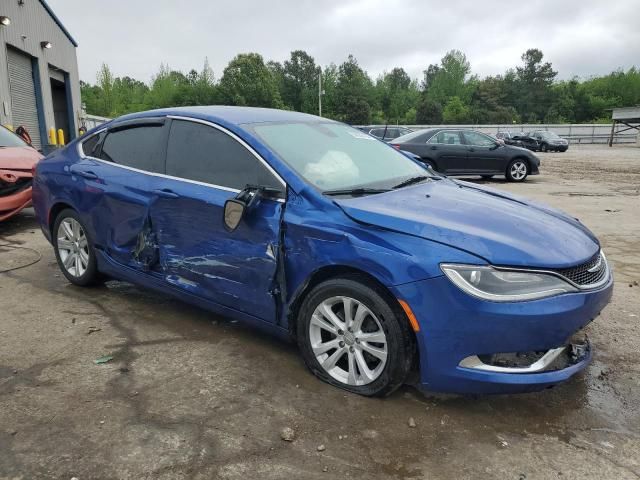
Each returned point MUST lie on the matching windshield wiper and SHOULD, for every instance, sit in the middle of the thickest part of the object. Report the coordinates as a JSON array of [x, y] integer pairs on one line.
[[355, 191], [411, 181]]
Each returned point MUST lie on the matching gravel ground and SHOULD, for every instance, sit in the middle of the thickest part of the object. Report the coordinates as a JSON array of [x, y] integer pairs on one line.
[[191, 395]]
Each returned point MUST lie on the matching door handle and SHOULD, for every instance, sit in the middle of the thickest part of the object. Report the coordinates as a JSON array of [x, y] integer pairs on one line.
[[84, 173], [434, 148], [166, 193], [472, 149]]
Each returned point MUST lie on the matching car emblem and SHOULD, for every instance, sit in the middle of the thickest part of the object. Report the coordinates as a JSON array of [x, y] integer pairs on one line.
[[597, 266]]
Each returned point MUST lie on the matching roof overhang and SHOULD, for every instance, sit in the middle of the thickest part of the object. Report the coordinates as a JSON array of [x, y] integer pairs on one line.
[[58, 22]]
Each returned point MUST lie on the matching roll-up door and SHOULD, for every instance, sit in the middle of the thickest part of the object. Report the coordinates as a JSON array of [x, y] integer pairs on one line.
[[23, 94]]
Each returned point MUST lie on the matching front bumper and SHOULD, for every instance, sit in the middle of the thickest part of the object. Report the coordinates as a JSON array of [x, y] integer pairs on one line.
[[13, 204], [455, 327]]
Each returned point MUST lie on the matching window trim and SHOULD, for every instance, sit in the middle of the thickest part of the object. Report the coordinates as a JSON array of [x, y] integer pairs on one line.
[[82, 155]]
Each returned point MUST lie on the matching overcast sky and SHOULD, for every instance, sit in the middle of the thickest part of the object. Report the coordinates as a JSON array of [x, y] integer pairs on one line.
[[580, 37]]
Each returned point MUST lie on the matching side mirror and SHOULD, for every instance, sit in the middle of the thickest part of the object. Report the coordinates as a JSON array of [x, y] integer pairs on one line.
[[233, 212]]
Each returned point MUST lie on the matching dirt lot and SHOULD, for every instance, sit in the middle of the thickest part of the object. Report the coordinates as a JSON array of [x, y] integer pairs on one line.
[[190, 395]]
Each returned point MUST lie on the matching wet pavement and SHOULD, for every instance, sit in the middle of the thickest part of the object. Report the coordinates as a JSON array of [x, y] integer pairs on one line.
[[192, 395]]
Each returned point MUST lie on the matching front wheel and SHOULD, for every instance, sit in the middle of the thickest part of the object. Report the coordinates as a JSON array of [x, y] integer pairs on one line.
[[544, 147], [351, 337], [74, 251], [517, 170]]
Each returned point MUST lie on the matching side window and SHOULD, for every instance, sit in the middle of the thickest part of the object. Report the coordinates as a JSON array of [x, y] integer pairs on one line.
[[137, 147], [478, 139], [90, 145], [446, 138], [205, 154], [377, 132]]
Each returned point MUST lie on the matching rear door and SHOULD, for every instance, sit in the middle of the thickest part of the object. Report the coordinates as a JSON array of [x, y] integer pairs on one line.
[[121, 171], [447, 149], [206, 165], [483, 154]]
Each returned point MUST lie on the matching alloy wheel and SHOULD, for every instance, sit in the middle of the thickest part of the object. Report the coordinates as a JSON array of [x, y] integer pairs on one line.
[[348, 341], [518, 170], [73, 247]]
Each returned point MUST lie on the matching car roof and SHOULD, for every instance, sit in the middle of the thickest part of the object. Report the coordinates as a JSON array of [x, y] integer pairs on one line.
[[230, 114], [417, 134]]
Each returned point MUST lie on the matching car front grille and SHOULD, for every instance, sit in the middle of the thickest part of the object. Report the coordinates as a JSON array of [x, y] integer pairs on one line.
[[7, 188], [587, 274]]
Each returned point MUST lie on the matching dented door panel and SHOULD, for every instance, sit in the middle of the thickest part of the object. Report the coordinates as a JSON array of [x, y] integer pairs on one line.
[[119, 200], [196, 253]]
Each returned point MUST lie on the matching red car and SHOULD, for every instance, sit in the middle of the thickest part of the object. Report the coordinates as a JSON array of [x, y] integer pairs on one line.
[[17, 159]]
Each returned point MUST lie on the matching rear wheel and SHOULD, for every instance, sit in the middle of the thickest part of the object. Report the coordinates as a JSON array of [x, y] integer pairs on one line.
[[73, 248], [351, 337], [517, 170]]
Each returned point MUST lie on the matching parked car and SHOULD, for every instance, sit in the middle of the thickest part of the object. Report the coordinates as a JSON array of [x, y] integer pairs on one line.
[[508, 139], [17, 159], [466, 152], [387, 133], [549, 141], [311, 229]]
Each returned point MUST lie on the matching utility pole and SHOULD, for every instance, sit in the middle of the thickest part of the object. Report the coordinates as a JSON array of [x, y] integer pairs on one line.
[[320, 92]]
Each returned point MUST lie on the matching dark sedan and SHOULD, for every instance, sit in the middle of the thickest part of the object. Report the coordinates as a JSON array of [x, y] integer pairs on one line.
[[467, 152]]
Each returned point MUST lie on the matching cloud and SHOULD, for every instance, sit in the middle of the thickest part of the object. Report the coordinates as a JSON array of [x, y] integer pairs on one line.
[[135, 36]]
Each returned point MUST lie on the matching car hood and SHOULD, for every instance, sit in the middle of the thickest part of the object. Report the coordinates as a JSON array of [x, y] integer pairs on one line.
[[501, 228], [18, 158]]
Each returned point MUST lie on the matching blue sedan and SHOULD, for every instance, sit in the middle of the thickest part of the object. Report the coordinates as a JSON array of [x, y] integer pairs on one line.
[[316, 231]]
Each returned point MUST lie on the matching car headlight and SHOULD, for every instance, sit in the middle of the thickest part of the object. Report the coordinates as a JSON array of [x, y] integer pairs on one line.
[[499, 285]]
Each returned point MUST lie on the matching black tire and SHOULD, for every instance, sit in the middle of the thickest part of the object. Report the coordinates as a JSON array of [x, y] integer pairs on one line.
[[400, 341], [487, 177], [91, 276], [515, 177], [544, 147]]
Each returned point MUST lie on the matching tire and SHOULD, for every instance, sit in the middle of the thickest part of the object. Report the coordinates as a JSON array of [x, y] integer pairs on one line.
[[348, 349], [69, 231], [486, 177], [544, 147], [517, 170]]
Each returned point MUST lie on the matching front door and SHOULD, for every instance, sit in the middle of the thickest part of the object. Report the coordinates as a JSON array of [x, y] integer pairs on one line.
[[205, 166], [484, 154]]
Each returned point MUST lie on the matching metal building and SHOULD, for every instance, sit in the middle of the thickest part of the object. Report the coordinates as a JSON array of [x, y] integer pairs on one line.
[[39, 84]]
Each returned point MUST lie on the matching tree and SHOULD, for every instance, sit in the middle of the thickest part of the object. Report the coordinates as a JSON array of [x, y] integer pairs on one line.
[[300, 85], [429, 112], [354, 93], [248, 81], [455, 111], [397, 94], [534, 80], [105, 83]]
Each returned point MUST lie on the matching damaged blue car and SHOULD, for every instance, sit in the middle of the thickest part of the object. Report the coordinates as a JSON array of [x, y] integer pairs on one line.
[[306, 227]]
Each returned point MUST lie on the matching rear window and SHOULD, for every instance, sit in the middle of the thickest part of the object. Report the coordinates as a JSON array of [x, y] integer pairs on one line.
[[137, 147], [90, 145]]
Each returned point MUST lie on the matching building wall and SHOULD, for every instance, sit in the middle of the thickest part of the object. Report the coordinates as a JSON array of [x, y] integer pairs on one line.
[[34, 22]]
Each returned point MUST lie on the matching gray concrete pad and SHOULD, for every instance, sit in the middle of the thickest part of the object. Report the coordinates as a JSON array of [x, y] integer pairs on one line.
[[192, 395]]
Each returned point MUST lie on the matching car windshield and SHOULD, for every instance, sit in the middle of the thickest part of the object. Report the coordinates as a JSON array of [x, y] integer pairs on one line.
[[10, 139], [334, 156], [549, 135]]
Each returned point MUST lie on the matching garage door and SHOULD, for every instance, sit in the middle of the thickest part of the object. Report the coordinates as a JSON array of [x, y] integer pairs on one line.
[[23, 94]]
